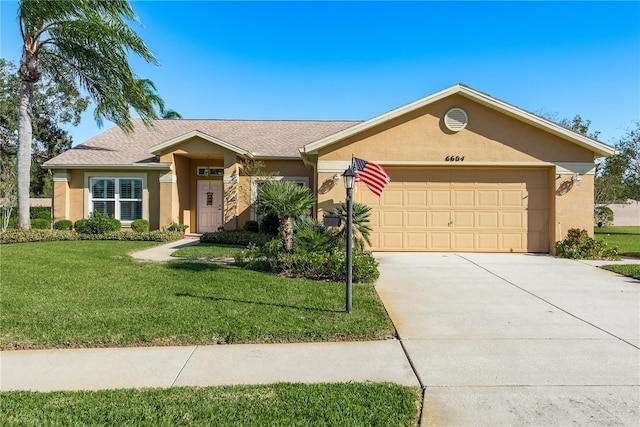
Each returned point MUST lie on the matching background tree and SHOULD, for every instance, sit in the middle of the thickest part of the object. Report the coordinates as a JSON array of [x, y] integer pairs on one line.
[[287, 199], [53, 104], [82, 44], [618, 176]]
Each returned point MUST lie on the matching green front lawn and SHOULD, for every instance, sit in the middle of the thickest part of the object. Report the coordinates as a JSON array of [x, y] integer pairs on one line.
[[350, 404], [208, 251], [627, 239], [92, 294]]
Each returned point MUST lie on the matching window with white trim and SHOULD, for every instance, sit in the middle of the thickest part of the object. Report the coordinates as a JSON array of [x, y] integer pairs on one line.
[[120, 197]]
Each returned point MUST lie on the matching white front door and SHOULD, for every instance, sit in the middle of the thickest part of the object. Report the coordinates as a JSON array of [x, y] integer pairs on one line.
[[209, 206]]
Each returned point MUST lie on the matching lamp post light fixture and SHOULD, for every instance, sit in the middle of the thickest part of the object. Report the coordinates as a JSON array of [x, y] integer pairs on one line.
[[349, 182]]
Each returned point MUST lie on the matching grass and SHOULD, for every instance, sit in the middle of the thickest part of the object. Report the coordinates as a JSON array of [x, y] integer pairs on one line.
[[284, 404], [92, 294], [629, 270], [627, 239], [209, 251]]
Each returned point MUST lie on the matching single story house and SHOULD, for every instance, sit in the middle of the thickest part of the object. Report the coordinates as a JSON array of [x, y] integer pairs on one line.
[[469, 172]]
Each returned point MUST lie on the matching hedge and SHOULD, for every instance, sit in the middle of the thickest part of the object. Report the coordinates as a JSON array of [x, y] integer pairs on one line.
[[35, 235], [236, 237]]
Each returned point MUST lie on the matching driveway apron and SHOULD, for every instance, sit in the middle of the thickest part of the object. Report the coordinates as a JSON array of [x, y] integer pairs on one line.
[[516, 339]]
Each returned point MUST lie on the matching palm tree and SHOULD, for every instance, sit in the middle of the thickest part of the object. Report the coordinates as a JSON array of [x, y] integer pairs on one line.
[[287, 199], [361, 214], [85, 44]]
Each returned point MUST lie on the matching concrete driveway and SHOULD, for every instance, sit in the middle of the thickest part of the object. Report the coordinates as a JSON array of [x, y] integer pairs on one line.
[[516, 339]]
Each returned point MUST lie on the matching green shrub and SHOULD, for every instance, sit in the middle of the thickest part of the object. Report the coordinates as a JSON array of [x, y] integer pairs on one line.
[[41, 224], [63, 224], [603, 216], [311, 265], [578, 245], [140, 226], [40, 212], [97, 223], [82, 226], [235, 237], [252, 226]]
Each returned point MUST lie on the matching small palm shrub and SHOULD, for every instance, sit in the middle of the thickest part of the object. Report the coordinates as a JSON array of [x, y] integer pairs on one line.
[[140, 226], [63, 224], [41, 223], [360, 218], [312, 236], [579, 245], [603, 216]]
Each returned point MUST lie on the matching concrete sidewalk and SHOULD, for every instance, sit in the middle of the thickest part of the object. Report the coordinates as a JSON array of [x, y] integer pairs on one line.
[[110, 368], [163, 252]]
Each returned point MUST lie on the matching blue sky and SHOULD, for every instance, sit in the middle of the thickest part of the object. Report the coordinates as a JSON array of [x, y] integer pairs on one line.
[[356, 60]]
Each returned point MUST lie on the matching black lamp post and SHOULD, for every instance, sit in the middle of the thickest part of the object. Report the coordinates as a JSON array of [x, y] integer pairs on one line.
[[349, 182]]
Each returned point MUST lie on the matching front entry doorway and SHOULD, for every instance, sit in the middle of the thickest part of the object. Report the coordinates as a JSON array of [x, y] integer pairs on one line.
[[209, 206]]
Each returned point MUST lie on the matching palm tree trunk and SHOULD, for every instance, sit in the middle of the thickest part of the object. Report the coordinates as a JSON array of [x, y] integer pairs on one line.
[[286, 233], [25, 133]]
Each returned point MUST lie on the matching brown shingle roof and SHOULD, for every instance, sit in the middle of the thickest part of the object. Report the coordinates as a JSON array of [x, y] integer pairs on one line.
[[264, 138]]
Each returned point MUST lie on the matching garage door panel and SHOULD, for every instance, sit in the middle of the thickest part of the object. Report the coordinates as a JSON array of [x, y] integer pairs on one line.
[[374, 219], [464, 198], [464, 241], [439, 219], [439, 241], [513, 198], [439, 198], [513, 219], [488, 241], [392, 219], [393, 198], [465, 219], [488, 198], [416, 198], [512, 241], [417, 240], [417, 219], [488, 219], [393, 240]]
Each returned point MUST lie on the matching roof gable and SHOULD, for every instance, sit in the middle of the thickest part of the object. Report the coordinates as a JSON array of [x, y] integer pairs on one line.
[[597, 147], [157, 149]]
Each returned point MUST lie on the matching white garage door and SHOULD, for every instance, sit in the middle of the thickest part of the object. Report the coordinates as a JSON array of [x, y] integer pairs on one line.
[[472, 210]]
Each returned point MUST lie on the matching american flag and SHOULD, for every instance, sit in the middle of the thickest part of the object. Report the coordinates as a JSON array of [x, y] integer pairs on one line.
[[371, 174]]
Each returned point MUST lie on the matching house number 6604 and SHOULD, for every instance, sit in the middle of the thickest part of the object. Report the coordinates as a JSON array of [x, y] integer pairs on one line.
[[454, 159]]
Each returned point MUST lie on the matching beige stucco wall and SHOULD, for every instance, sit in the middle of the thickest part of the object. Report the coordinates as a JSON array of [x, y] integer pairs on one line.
[[490, 136]]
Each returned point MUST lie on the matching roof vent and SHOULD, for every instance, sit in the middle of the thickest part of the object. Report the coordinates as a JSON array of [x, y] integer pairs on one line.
[[456, 119]]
